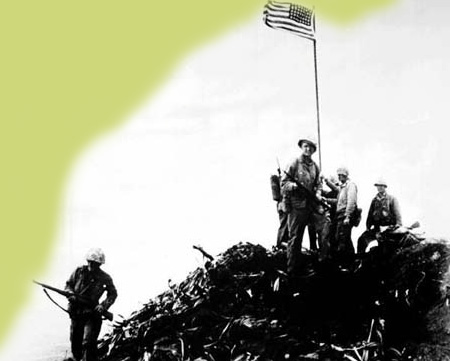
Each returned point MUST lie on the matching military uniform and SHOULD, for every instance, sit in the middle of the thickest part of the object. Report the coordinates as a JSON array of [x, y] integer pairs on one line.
[[346, 205], [282, 234], [384, 211], [300, 210], [85, 320]]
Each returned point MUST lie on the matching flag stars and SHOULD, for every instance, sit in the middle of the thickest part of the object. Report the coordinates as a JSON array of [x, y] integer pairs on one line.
[[292, 17], [300, 14]]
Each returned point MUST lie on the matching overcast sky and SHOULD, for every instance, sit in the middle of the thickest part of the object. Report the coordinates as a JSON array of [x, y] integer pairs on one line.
[[192, 165]]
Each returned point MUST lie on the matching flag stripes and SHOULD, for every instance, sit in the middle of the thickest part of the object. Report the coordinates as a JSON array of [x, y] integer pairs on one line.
[[291, 17]]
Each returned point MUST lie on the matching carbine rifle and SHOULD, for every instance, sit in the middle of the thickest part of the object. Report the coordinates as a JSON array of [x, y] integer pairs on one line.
[[79, 298], [309, 195]]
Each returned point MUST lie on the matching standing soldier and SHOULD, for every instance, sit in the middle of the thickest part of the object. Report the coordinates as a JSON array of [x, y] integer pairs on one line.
[[89, 282], [330, 197], [301, 188], [282, 234], [345, 210], [384, 211]]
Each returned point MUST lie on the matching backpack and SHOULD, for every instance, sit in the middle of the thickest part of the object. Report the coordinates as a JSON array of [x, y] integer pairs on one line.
[[276, 187]]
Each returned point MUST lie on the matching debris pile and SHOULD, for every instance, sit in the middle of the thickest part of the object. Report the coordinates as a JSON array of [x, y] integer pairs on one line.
[[390, 305]]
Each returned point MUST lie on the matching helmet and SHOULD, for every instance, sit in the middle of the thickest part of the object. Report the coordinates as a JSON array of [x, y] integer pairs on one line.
[[342, 170], [380, 182], [310, 140], [95, 255]]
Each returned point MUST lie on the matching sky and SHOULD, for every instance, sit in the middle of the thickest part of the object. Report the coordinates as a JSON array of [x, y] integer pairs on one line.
[[191, 165]]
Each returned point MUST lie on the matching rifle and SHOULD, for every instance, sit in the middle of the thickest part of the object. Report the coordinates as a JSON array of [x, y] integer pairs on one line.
[[203, 252], [279, 168], [83, 300], [309, 195]]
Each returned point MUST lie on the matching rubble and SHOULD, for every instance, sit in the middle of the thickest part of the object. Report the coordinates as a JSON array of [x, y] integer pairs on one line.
[[392, 304]]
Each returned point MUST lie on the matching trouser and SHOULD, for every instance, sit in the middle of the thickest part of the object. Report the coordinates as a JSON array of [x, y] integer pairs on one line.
[[332, 237], [283, 234], [344, 245], [312, 233], [297, 220], [84, 331]]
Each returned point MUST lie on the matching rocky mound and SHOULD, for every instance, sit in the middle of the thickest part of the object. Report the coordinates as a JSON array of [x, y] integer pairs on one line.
[[392, 304]]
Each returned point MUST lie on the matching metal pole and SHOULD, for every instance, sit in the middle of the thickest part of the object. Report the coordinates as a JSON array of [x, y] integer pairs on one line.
[[317, 104]]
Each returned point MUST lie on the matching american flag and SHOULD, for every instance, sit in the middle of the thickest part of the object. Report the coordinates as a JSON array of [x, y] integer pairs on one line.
[[295, 18]]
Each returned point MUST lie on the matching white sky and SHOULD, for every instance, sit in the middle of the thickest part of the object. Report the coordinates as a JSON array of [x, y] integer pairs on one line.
[[192, 166]]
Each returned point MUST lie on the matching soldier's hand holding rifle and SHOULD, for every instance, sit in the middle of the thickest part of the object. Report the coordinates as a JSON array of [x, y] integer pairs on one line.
[[72, 297], [319, 197], [316, 197]]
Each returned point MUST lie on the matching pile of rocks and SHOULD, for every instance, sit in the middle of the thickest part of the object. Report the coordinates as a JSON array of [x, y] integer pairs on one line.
[[390, 305]]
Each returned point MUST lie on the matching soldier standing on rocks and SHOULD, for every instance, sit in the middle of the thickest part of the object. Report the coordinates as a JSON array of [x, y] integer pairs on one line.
[[301, 188], [330, 197], [384, 211], [88, 282], [282, 234], [345, 208]]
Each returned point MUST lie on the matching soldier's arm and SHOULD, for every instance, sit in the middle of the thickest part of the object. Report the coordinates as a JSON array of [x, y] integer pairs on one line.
[[330, 200], [331, 185], [330, 196], [351, 199], [287, 185], [70, 284], [111, 293]]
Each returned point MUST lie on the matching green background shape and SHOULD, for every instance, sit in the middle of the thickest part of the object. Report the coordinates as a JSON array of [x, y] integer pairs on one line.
[[72, 70]]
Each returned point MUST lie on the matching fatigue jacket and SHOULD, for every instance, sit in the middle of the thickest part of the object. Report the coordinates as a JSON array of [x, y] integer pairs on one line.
[[384, 211], [92, 285], [346, 200], [307, 173]]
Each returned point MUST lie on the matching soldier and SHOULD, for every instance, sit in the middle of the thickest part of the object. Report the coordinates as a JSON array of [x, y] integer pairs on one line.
[[345, 208], [384, 211], [330, 197], [282, 234], [301, 188], [90, 282]]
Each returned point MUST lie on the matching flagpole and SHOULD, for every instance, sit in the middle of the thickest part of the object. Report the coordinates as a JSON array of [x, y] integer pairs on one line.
[[301, 21], [317, 103]]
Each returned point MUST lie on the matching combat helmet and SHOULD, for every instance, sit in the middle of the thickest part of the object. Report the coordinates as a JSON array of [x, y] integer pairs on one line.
[[380, 182], [342, 170], [95, 255]]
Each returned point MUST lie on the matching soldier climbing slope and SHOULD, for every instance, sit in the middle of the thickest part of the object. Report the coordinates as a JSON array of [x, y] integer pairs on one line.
[[89, 282]]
